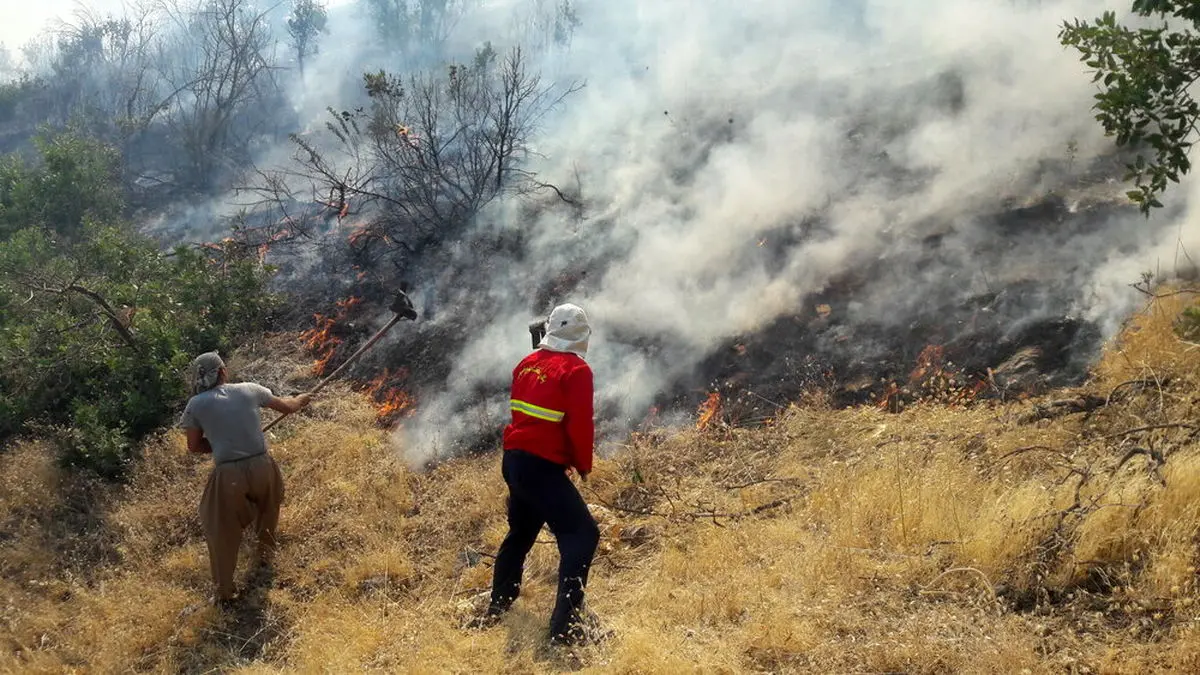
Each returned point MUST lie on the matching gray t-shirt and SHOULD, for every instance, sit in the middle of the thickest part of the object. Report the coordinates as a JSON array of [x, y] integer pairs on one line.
[[228, 416]]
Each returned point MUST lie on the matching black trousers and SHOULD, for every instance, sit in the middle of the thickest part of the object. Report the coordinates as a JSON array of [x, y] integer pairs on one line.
[[539, 492]]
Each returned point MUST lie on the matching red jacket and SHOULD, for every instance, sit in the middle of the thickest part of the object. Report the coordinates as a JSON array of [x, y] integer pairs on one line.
[[552, 409]]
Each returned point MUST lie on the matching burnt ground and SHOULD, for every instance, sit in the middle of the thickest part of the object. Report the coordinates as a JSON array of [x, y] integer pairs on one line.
[[861, 342], [967, 327], [759, 374]]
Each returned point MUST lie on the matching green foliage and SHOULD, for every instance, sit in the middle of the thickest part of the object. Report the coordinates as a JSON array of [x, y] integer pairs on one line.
[[14, 94], [306, 22], [78, 178], [97, 324], [1145, 76], [415, 28], [1187, 326], [89, 442]]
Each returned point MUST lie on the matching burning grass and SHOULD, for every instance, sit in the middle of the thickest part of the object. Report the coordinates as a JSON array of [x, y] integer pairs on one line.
[[939, 539], [323, 339]]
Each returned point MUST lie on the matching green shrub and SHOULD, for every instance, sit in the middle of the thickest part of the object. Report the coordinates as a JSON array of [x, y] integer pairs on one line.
[[97, 323], [1187, 326], [91, 442]]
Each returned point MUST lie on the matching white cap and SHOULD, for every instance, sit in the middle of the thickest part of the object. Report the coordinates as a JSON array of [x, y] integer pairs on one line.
[[567, 330]]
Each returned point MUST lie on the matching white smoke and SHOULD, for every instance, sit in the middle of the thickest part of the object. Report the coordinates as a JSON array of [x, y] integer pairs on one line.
[[736, 158], [688, 219]]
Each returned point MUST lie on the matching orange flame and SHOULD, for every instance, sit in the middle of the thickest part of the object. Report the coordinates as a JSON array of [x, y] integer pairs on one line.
[[885, 401], [708, 411], [929, 363], [390, 402], [394, 402], [320, 339], [265, 246], [933, 380], [358, 233]]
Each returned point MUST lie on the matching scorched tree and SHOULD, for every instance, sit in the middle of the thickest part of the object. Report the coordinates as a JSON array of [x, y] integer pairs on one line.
[[429, 153]]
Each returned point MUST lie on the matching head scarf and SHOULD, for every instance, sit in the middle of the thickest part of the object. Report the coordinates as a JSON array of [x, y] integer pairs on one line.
[[206, 370], [567, 330]]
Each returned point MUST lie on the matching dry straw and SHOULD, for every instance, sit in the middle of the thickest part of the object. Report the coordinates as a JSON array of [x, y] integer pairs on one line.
[[976, 539]]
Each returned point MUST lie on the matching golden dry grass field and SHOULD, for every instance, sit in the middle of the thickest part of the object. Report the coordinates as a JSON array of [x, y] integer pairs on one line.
[[976, 539]]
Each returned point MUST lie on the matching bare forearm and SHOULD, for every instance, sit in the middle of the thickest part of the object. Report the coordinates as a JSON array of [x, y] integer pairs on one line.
[[289, 404], [197, 443], [294, 403]]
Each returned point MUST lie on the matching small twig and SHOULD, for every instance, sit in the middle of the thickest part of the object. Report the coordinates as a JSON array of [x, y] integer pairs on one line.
[[1127, 383], [934, 544], [558, 192], [1154, 459], [663, 491], [779, 406], [1133, 452], [1161, 399], [1084, 403], [250, 639], [760, 481], [1150, 427], [1181, 291], [770, 505], [987, 583], [615, 507], [741, 514], [1028, 448]]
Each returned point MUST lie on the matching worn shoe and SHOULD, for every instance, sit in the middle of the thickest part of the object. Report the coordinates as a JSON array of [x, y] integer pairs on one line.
[[224, 604], [490, 618], [570, 638], [587, 630]]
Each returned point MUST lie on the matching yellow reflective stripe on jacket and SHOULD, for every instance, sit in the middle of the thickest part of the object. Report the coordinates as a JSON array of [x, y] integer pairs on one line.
[[537, 411]]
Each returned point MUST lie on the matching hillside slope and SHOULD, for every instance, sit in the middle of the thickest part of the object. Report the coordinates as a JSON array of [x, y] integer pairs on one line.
[[999, 537]]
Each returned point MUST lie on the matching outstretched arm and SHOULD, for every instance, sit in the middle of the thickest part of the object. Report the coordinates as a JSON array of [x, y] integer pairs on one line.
[[289, 404]]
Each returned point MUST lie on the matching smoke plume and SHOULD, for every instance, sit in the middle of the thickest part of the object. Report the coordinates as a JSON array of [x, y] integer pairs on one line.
[[737, 159], [754, 195]]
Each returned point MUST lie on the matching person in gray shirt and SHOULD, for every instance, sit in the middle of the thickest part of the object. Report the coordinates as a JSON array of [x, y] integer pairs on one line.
[[245, 485]]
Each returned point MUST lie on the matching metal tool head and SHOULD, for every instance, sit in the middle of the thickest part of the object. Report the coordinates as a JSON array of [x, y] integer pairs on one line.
[[402, 306], [537, 330]]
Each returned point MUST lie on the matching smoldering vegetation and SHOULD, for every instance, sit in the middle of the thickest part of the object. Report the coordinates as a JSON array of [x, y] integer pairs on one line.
[[879, 200]]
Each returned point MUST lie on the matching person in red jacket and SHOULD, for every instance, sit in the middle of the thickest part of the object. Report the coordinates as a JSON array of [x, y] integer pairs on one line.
[[552, 431]]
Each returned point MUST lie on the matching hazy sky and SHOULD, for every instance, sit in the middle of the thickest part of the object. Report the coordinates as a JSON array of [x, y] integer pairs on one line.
[[20, 21]]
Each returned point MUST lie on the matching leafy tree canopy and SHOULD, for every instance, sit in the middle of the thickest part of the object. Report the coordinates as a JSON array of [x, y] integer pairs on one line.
[[97, 323], [1145, 72]]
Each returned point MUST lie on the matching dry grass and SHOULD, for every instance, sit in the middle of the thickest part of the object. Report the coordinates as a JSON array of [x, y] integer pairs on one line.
[[935, 540]]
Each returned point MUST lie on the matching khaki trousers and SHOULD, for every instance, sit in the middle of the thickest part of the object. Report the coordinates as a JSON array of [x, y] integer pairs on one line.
[[239, 493]]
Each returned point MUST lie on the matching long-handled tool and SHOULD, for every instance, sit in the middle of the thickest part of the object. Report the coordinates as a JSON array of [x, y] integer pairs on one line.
[[402, 308], [537, 331]]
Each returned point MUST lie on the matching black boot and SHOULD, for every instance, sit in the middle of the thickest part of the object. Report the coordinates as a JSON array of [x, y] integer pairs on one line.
[[583, 629], [489, 618]]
